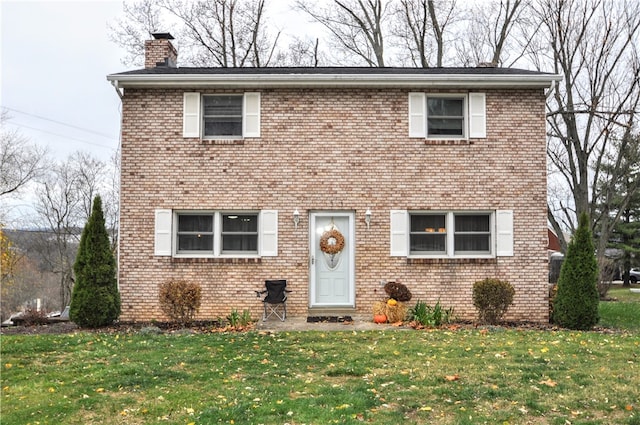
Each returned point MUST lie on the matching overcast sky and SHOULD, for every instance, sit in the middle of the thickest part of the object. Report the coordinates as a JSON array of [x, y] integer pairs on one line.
[[54, 60]]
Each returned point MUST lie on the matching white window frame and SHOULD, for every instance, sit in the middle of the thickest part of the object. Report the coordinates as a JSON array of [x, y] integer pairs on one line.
[[447, 242], [242, 117], [174, 234], [166, 234], [465, 115], [450, 235], [474, 115], [221, 234], [217, 235], [492, 234], [193, 115]]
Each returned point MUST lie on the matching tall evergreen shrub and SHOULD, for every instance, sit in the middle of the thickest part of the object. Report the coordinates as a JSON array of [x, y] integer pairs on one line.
[[576, 303], [95, 300]]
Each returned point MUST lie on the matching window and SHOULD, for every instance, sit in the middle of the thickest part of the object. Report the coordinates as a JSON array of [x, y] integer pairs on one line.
[[472, 233], [450, 234], [197, 233], [239, 233], [445, 116], [428, 234], [222, 116]]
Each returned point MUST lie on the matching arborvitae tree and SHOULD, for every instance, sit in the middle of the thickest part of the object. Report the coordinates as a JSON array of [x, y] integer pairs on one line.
[[95, 300], [576, 302]]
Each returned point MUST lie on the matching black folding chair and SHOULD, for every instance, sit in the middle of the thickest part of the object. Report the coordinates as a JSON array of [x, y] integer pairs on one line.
[[276, 300]]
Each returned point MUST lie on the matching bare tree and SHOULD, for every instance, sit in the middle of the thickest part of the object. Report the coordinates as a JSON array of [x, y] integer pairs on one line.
[[420, 28], [111, 200], [356, 26], [58, 204], [141, 18], [223, 33], [20, 161], [499, 33], [302, 52], [62, 200], [594, 45]]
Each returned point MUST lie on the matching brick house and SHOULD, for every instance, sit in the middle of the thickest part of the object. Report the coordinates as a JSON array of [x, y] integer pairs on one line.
[[432, 177]]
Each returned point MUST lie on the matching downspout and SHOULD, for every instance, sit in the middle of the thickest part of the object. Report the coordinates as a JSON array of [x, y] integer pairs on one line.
[[114, 83], [550, 90]]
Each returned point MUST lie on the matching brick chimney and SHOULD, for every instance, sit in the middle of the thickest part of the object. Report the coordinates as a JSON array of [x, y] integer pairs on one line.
[[159, 52]]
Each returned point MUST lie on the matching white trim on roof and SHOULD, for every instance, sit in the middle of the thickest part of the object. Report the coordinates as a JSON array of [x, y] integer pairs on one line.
[[232, 80]]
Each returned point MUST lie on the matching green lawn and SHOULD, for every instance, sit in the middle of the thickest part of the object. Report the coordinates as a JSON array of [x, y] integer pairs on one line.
[[466, 376], [624, 313]]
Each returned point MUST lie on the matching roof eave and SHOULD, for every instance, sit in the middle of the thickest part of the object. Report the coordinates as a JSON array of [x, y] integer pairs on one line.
[[332, 80]]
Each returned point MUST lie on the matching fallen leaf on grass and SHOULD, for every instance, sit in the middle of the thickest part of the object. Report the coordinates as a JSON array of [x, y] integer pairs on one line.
[[549, 383], [426, 409], [455, 377]]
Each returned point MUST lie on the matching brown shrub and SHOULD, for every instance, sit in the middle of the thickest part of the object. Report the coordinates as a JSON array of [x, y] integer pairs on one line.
[[180, 300]]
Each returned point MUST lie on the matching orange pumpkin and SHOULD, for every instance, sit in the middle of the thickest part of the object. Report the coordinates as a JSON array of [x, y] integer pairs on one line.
[[380, 318]]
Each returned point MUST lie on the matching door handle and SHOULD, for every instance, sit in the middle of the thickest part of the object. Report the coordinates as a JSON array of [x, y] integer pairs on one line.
[[313, 260]]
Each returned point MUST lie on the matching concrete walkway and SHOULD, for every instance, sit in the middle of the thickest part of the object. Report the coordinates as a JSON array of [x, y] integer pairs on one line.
[[299, 323]]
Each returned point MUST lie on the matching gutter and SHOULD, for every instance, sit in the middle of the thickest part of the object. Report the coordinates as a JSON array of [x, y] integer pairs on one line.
[[332, 80]]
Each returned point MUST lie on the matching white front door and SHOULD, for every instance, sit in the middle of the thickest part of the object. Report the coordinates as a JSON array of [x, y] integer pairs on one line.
[[332, 271]]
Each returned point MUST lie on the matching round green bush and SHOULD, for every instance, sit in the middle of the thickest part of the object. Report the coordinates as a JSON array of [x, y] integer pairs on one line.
[[492, 298]]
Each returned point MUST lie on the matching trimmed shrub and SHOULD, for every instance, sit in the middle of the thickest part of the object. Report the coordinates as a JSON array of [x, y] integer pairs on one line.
[[95, 300], [492, 298], [576, 303], [180, 300]]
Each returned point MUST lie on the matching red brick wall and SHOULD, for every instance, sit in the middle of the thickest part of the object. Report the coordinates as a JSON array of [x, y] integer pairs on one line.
[[333, 149]]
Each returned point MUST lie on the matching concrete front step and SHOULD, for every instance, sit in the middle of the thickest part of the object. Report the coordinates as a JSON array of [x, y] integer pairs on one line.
[[326, 311]]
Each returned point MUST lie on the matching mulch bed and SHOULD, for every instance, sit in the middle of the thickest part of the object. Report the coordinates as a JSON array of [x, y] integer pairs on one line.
[[214, 327]]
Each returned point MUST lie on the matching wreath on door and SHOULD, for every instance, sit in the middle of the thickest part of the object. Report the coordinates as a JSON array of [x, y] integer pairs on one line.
[[331, 242]]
